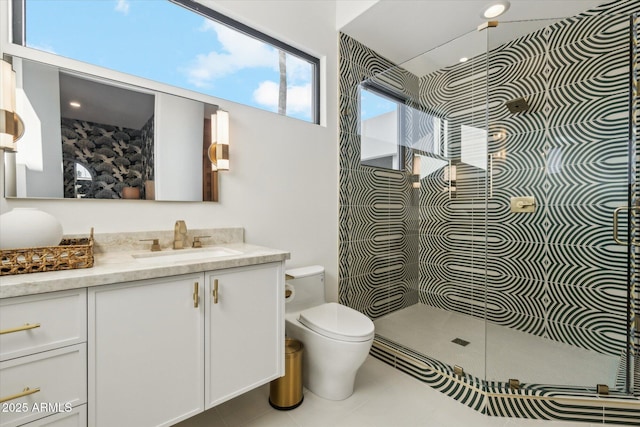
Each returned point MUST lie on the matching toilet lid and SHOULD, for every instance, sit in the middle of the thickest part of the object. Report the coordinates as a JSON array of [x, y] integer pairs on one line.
[[338, 321]]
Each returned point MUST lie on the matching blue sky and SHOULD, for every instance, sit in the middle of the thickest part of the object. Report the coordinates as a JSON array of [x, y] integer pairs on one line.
[[372, 105], [162, 41]]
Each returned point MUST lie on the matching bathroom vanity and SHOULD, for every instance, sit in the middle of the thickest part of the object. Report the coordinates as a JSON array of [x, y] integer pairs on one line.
[[140, 340]]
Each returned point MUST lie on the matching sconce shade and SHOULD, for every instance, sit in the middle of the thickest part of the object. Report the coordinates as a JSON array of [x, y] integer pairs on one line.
[[219, 149], [450, 173], [416, 164], [416, 171], [11, 126]]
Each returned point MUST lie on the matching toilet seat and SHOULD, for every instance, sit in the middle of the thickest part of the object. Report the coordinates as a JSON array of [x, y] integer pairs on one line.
[[338, 322]]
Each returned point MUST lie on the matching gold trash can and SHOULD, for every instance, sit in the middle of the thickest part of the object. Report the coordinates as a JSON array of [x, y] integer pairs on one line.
[[285, 393]]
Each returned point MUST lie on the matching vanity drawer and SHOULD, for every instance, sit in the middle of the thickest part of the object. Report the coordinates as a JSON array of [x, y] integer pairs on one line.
[[76, 418], [61, 316], [60, 375]]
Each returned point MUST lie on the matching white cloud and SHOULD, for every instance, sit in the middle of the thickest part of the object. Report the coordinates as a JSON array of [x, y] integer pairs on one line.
[[267, 94], [298, 70], [122, 6], [238, 51], [298, 97]]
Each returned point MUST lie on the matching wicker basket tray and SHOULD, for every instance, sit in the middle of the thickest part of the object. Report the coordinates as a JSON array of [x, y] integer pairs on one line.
[[69, 255]]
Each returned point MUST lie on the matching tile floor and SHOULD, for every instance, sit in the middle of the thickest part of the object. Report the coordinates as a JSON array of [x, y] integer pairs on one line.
[[384, 397], [509, 353]]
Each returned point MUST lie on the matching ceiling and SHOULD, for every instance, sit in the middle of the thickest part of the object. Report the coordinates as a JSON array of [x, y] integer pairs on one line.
[[401, 30], [104, 104]]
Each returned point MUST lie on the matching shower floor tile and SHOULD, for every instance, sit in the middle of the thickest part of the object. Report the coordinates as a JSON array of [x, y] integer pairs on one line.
[[509, 353]]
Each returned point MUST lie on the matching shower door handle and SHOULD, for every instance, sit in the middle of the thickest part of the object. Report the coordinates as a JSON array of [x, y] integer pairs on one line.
[[616, 213]]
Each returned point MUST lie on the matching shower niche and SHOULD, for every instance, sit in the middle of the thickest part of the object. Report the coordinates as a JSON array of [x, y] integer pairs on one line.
[[512, 313]]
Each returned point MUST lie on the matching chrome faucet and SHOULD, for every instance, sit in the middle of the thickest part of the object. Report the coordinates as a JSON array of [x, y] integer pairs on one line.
[[180, 235]]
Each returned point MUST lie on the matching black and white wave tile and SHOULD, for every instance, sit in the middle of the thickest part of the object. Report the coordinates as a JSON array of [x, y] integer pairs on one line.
[[555, 273], [378, 212]]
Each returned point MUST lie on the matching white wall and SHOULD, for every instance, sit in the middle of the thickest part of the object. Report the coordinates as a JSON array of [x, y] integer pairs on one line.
[[348, 10], [283, 183], [42, 163], [379, 136], [179, 128]]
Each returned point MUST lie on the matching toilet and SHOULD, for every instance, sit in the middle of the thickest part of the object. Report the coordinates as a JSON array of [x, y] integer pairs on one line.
[[336, 338]]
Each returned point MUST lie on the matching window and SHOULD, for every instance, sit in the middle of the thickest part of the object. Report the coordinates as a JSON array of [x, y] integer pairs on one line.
[[380, 129], [178, 42], [473, 146]]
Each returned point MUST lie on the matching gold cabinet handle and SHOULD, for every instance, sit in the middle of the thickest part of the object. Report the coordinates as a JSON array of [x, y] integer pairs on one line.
[[215, 291], [616, 213], [24, 327], [26, 392], [196, 295]]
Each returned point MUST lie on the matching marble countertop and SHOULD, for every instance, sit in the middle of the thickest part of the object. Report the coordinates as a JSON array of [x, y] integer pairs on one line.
[[121, 266]]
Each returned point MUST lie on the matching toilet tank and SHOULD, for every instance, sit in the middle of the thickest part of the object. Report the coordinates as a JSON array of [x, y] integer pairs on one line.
[[308, 287]]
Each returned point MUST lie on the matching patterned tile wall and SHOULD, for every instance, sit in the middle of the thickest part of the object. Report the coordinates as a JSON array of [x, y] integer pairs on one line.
[[633, 365], [378, 233], [554, 273], [557, 272]]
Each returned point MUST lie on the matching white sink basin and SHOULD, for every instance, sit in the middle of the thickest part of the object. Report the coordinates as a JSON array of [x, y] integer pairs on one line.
[[185, 255]]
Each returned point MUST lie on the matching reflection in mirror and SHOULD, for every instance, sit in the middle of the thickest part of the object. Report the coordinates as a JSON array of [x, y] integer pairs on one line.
[[380, 127], [393, 124], [107, 147], [443, 136], [83, 181], [92, 138]]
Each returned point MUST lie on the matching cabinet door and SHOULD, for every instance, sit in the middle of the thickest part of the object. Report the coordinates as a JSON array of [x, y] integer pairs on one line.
[[245, 330], [146, 350]]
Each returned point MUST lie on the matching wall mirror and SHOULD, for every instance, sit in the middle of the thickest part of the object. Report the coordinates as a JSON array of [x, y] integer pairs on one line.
[[92, 138]]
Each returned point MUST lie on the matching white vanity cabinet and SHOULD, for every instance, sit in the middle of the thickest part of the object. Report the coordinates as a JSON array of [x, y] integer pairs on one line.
[[244, 312], [163, 350], [146, 352], [43, 358]]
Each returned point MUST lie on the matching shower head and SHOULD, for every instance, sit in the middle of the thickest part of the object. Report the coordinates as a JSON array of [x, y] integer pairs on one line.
[[518, 105]]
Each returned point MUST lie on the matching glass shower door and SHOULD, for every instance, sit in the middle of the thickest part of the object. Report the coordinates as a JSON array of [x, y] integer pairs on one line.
[[444, 141], [562, 162]]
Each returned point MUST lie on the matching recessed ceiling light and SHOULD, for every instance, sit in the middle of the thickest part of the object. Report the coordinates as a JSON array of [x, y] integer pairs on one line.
[[495, 9], [75, 104], [464, 59]]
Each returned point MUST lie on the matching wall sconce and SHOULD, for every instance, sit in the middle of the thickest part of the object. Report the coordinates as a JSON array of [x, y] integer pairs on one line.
[[415, 177], [217, 153], [451, 176], [11, 126], [499, 155], [219, 149], [495, 157]]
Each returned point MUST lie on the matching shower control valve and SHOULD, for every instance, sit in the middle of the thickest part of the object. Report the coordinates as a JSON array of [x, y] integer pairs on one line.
[[523, 204]]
